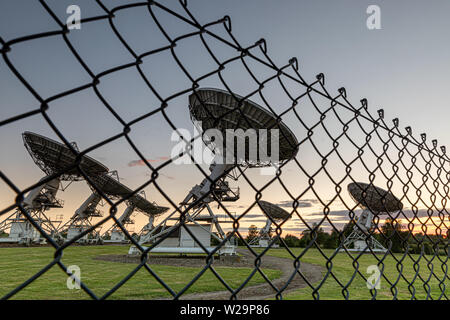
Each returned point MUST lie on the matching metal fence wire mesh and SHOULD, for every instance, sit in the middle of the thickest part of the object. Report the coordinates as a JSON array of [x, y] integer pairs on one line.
[[339, 142]]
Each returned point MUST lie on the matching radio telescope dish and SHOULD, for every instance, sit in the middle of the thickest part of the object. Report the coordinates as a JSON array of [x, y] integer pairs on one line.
[[113, 188], [52, 156], [373, 201], [146, 207], [273, 211], [110, 185], [217, 109], [223, 119], [373, 198]]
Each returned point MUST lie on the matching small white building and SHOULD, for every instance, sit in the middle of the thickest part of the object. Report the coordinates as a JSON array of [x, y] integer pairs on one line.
[[180, 241], [179, 237]]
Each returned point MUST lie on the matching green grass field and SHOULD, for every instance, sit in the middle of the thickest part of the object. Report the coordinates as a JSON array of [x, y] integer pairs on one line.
[[19, 264], [343, 269]]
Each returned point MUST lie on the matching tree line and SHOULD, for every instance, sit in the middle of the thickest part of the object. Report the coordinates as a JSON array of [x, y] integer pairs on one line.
[[393, 235]]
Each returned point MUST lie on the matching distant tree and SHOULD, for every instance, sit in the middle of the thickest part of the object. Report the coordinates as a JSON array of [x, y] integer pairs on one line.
[[303, 242], [332, 240], [235, 238], [252, 233], [393, 235], [291, 241], [348, 228], [316, 233], [428, 248], [135, 236], [306, 234], [322, 236], [305, 238], [214, 240], [271, 232]]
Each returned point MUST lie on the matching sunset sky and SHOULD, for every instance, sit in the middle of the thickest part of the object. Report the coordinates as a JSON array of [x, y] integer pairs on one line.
[[402, 68]]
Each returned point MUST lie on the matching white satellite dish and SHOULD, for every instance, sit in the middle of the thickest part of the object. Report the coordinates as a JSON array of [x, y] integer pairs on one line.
[[219, 110], [110, 185], [273, 213], [374, 201], [51, 157]]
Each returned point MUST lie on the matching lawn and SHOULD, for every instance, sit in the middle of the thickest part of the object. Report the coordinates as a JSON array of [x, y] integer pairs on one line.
[[19, 264], [343, 268]]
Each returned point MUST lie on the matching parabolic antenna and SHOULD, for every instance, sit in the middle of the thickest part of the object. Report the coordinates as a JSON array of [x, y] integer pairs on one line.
[[114, 189], [52, 156], [254, 136], [373, 201], [146, 207], [217, 109], [273, 211], [373, 198], [111, 186]]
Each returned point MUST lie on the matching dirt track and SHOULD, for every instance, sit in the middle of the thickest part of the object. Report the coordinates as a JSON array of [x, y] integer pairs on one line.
[[265, 291], [256, 292]]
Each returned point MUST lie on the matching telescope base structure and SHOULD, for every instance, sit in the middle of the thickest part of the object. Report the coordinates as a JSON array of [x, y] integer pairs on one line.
[[89, 238], [175, 238], [226, 250], [264, 238], [117, 236], [358, 239], [37, 201], [23, 232], [81, 222], [262, 243]]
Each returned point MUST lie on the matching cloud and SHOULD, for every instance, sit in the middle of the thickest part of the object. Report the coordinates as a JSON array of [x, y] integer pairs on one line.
[[161, 174], [141, 162], [253, 220], [167, 176], [101, 159], [250, 215], [237, 206], [341, 217], [337, 213], [305, 203]]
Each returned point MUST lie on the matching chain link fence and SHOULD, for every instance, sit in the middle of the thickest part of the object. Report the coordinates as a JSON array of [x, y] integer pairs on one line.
[[338, 143]]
